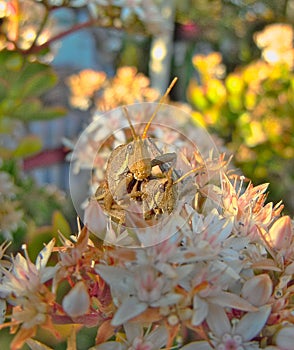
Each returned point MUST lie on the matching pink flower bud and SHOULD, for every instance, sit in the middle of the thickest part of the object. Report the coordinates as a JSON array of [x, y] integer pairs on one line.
[[281, 233], [258, 290], [285, 338]]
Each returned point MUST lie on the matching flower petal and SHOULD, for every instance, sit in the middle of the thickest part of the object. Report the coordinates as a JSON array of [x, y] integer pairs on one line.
[[197, 345], [133, 330], [227, 299], [167, 299], [200, 310], [252, 323], [218, 320], [158, 337], [281, 233], [258, 289], [77, 300], [94, 218], [120, 280], [285, 338], [130, 308], [44, 255]]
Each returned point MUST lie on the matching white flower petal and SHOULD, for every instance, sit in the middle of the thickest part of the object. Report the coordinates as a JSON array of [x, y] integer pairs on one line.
[[44, 255], [158, 337], [200, 310], [77, 300], [168, 299], [197, 345], [130, 308], [252, 323], [48, 273], [94, 218], [290, 269], [227, 299], [218, 320], [225, 229], [285, 338], [2, 310], [120, 280], [133, 330]]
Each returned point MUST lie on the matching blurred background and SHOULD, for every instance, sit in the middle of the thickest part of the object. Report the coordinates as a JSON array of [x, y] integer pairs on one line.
[[63, 62]]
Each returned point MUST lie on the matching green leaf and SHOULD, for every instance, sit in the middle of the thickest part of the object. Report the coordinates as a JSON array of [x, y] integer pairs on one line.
[[59, 223], [28, 145], [38, 84], [3, 88], [27, 110], [14, 62]]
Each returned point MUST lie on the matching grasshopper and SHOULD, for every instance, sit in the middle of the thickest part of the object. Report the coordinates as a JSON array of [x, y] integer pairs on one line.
[[155, 197], [131, 164], [159, 195]]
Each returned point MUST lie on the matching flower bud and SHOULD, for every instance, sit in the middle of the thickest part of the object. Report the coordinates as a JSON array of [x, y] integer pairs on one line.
[[285, 338], [258, 290]]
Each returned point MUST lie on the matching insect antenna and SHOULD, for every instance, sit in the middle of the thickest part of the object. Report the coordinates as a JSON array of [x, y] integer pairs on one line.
[[144, 135], [187, 174], [134, 134]]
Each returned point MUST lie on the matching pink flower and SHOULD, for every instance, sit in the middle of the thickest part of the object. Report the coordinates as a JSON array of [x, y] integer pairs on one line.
[[238, 336]]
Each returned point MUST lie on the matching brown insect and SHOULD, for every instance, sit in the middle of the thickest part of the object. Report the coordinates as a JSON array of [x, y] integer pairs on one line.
[[131, 181], [131, 164], [155, 197]]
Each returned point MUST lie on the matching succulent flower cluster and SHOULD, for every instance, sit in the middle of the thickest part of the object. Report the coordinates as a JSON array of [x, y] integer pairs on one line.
[[223, 279], [10, 213], [126, 87]]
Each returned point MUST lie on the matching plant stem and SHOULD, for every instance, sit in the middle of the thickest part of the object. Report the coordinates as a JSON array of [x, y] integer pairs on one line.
[[41, 28], [37, 48]]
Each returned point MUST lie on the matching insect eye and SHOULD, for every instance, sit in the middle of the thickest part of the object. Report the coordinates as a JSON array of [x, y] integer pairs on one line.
[[130, 148], [161, 188]]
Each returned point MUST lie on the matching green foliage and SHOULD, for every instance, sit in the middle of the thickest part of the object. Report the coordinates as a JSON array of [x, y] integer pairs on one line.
[[252, 108], [28, 145], [22, 83], [228, 25]]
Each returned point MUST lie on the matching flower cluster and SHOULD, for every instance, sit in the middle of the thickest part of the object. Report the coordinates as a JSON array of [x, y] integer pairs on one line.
[[276, 42], [30, 26], [222, 280], [251, 108], [10, 214], [126, 87]]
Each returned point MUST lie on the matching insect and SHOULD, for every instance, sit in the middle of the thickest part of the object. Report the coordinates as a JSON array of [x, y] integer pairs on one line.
[[139, 175], [131, 164], [155, 197], [158, 196]]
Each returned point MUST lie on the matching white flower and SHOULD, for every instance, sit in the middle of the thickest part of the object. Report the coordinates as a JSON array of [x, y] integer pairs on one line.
[[137, 340], [27, 278], [239, 336], [137, 289], [209, 288]]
